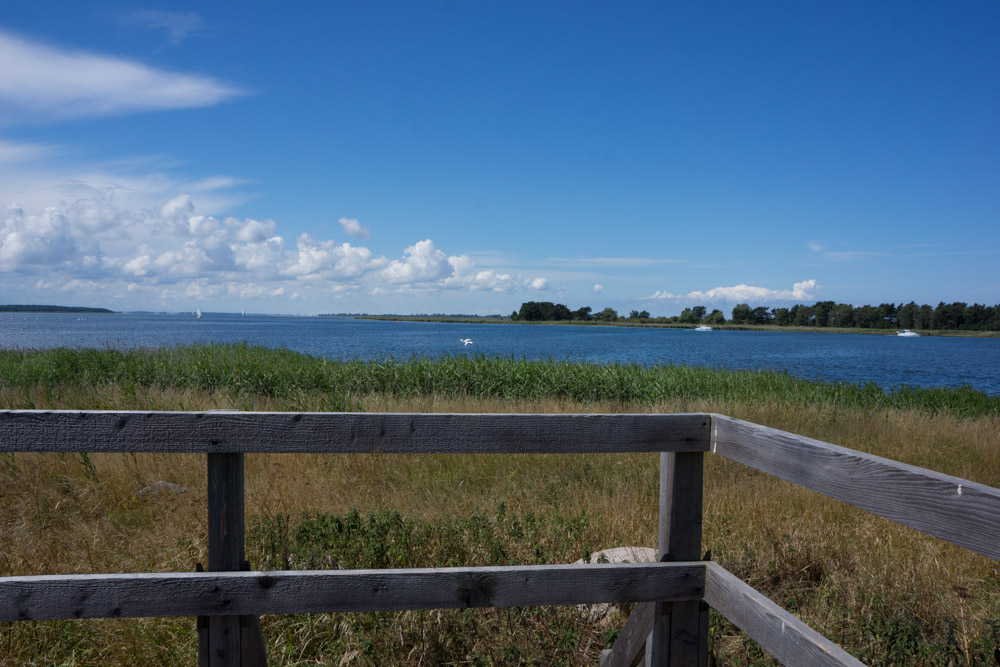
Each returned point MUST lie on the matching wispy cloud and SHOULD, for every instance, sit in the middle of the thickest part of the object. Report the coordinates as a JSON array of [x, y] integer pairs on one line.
[[611, 262], [178, 25], [12, 153], [847, 255], [39, 82], [855, 255], [805, 290]]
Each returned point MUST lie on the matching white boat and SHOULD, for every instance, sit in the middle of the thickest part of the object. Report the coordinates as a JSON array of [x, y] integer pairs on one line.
[[198, 314], [906, 333], [702, 327]]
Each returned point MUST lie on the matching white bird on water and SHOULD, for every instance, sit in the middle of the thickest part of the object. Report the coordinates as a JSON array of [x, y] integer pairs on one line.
[[467, 341]]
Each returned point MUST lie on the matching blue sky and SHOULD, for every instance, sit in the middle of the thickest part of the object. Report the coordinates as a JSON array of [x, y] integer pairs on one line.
[[466, 156]]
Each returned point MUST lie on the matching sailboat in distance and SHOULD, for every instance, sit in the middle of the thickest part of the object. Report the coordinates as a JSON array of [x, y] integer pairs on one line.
[[198, 314]]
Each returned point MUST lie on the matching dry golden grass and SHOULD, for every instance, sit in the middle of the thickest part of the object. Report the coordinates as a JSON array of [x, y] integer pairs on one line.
[[856, 577]]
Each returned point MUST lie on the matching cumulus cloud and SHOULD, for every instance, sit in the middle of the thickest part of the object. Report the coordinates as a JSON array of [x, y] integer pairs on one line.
[[354, 229], [39, 81], [171, 252], [598, 288], [537, 283], [804, 290], [422, 262]]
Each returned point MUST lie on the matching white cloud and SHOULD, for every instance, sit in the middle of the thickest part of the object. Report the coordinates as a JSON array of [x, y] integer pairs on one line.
[[41, 82], [166, 255], [814, 246], [354, 229], [44, 239], [538, 283], [422, 262], [598, 288], [611, 262], [176, 24], [804, 290], [13, 153]]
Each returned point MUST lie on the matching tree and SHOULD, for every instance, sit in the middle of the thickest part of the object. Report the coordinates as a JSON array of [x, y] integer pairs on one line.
[[561, 312], [607, 315], [866, 317], [822, 312], [906, 315], [803, 316], [715, 317], [583, 313], [536, 311], [842, 315], [781, 316], [760, 315], [742, 314], [634, 315]]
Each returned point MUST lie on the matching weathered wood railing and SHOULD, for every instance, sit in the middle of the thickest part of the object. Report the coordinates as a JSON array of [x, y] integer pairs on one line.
[[669, 626]]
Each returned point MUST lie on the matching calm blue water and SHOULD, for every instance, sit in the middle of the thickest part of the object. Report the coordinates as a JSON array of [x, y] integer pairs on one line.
[[886, 360]]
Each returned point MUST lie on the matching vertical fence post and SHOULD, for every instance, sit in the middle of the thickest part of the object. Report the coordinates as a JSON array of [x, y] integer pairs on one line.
[[225, 549], [680, 633]]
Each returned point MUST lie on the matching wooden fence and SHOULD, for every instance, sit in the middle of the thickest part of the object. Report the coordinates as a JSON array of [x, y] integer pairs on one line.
[[669, 625]]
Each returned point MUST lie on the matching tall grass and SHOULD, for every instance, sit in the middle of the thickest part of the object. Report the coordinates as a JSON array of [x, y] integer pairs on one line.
[[890, 595], [242, 370]]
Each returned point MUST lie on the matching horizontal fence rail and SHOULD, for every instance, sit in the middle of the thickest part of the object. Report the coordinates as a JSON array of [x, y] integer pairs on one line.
[[347, 433], [779, 633], [50, 597], [957, 510]]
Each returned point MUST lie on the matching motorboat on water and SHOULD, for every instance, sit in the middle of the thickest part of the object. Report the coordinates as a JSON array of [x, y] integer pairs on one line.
[[906, 333], [702, 327]]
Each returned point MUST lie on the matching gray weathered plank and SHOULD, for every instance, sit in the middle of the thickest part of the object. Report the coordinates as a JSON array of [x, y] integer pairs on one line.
[[955, 509], [776, 631], [218, 432], [628, 647], [226, 536], [677, 638], [47, 597]]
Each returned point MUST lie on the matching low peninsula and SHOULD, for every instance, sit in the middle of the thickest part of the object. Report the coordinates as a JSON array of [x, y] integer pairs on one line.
[[50, 309]]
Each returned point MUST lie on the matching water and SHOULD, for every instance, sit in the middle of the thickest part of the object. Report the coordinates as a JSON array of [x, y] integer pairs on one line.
[[887, 360]]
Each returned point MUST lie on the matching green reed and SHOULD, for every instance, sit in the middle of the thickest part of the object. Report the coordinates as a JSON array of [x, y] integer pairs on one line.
[[247, 370]]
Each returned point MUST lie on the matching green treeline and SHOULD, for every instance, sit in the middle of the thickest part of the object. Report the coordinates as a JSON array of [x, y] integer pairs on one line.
[[958, 316]]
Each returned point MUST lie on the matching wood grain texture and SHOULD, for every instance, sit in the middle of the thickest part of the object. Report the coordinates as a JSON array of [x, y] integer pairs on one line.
[[954, 509], [779, 633], [677, 638], [225, 550], [630, 645], [233, 432], [250, 593]]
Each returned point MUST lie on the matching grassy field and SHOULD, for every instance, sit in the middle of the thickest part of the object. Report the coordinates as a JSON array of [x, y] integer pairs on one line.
[[886, 593]]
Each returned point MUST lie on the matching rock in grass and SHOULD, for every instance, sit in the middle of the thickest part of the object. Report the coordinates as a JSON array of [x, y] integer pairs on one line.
[[160, 486], [599, 613]]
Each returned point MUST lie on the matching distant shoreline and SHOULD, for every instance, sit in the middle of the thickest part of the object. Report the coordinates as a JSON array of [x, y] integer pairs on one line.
[[52, 309], [657, 325]]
